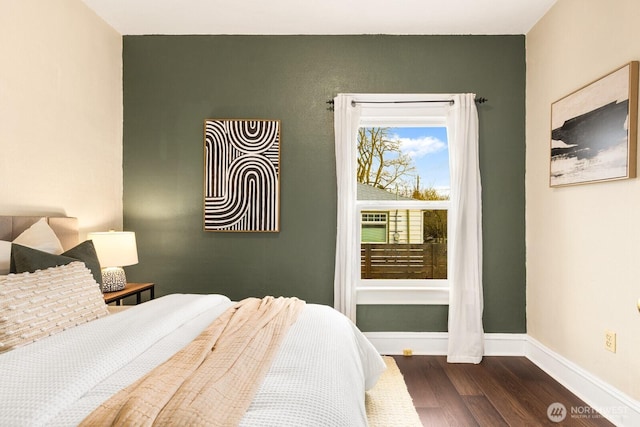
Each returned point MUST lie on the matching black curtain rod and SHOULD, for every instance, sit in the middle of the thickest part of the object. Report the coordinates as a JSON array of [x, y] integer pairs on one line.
[[354, 102], [480, 100]]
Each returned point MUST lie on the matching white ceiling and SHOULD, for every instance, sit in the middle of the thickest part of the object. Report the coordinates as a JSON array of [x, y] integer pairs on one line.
[[130, 17]]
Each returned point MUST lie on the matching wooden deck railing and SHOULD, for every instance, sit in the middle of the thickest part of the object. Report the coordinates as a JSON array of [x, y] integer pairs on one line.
[[403, 261]]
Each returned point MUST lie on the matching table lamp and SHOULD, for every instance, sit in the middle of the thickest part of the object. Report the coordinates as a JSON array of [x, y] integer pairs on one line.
[[115, 249]]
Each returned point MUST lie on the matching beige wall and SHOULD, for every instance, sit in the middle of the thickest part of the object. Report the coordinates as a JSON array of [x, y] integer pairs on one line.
[[60, 112], [583, 242]]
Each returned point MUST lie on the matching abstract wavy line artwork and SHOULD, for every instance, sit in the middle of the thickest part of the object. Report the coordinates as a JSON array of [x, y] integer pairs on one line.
[[242, 175]]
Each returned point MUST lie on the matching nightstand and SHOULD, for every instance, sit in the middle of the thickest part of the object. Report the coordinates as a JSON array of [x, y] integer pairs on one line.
[[131, 289]]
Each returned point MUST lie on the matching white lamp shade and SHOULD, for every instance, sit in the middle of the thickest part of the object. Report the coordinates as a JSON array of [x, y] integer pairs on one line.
[[115, 248]]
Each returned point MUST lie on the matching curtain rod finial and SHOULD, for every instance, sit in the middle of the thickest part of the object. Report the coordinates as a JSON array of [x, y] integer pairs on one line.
[[330, 107]]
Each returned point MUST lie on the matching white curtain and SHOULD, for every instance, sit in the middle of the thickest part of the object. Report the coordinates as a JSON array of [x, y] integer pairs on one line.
[[346, 122], [466, 334]]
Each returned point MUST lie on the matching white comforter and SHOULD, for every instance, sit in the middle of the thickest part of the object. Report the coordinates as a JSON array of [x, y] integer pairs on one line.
[[318, 377]]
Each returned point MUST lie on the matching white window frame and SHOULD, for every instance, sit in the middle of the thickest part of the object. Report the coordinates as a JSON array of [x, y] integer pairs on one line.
[[392, 291]]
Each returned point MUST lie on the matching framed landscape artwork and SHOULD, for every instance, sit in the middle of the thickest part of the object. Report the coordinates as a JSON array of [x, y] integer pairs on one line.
[[594, 130], [241, 175]]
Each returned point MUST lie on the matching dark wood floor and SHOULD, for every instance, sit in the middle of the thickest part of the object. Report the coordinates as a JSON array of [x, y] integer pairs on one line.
[[500, 391]]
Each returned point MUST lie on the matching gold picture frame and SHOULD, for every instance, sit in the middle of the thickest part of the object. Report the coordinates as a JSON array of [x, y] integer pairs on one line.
[[242, 175], [594, 131]]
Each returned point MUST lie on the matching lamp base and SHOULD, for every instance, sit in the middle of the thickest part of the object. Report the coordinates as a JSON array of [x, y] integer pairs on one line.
[[113, 279]]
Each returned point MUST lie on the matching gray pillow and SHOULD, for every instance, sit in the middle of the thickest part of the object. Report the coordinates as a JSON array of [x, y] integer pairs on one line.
[[28, 260]]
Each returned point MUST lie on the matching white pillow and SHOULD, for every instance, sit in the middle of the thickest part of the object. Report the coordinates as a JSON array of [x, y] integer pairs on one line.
[[36, 305], [5, 257], [40, 236]]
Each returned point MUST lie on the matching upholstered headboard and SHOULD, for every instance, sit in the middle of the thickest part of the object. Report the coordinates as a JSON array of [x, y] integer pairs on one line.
[[66, 228]]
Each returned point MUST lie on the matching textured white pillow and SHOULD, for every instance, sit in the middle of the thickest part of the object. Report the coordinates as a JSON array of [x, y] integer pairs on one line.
[[40, 236], [5, 257], [36, 305]]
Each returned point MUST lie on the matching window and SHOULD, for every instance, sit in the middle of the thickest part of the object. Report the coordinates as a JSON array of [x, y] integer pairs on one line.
[[374, 227], [402, 205], [354, 114]]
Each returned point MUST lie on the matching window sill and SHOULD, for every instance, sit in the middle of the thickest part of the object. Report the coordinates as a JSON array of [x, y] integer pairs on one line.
[[370, 295]]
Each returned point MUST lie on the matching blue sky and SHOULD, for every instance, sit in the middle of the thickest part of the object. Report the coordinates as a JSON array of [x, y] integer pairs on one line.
[[428, 148]]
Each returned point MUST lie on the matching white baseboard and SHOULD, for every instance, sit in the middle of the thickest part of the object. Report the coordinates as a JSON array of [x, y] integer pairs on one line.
[[435, 343], [425, 343], [616, 406]]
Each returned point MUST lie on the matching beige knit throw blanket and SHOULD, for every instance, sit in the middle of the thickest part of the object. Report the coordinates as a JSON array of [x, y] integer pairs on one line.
[[211, 381]]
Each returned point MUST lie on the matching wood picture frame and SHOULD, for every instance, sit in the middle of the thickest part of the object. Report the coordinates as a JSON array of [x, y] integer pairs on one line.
[[242, 175], [594, 131]]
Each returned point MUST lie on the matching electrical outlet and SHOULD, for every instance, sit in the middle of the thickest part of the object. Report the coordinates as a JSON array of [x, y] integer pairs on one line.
[[407, 352], [610, 341]]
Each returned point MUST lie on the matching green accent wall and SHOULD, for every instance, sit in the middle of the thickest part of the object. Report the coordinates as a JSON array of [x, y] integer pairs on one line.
[[173, 83]]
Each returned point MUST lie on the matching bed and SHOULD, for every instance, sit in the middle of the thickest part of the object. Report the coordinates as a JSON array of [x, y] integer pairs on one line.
[[318, 374]]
